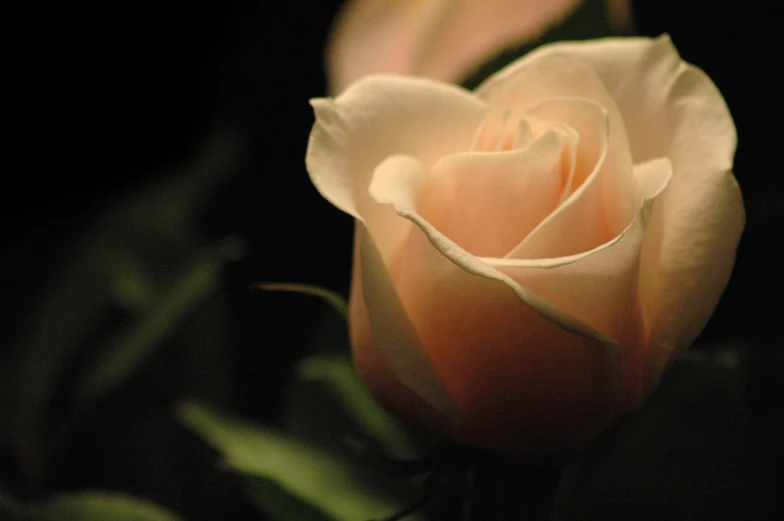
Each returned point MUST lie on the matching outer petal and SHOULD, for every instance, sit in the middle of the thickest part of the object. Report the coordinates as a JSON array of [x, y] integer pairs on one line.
[[393, 333], [671, 109], [377, 117]]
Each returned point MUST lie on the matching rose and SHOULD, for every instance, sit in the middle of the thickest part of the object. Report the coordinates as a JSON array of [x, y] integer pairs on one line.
[[529, 257], [441, 39]]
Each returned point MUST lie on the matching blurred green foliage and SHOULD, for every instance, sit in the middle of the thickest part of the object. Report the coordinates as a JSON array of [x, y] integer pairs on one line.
[[292, 471], [121, 290], [338, 376], [96, 506], [139, 269]]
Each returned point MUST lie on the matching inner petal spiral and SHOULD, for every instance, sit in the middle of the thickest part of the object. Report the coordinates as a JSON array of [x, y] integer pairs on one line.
[[488, 201]]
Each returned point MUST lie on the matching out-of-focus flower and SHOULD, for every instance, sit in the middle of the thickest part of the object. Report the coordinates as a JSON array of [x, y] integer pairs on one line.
[[441, 39]]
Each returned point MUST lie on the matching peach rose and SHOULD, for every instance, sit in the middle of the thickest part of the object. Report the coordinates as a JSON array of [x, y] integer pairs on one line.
[[441, 39], [530, 256]]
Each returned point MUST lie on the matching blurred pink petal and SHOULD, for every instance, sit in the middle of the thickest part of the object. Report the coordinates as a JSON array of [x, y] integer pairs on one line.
[[441, 39]]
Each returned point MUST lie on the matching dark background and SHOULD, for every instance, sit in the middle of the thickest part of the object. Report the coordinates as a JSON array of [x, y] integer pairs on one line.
[[116, 97]]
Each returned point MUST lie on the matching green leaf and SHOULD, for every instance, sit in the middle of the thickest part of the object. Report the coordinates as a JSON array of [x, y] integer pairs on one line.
[[336, 301], [588, 21], [97, 506], [308, 474], [340, 377]]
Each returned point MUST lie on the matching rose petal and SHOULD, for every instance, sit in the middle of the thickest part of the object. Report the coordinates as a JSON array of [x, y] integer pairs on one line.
[[484, 202], [589, 126], [443, 39], [374, 365], [693, 268], [502, 131], [376, 117], [394, 335], [672, 109]]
